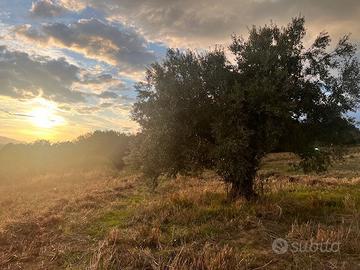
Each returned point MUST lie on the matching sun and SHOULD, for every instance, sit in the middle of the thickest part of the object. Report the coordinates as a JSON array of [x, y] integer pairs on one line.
[[45, 118]]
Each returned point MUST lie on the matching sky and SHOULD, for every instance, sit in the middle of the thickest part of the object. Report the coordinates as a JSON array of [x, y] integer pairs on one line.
[[68, 67]]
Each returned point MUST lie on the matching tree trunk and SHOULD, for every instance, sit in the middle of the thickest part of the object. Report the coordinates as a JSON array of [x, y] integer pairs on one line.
[[238, 191], [243, 187]]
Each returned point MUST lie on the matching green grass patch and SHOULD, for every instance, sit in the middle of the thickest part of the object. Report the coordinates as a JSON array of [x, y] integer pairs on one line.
[[309, 203], [109, 220]]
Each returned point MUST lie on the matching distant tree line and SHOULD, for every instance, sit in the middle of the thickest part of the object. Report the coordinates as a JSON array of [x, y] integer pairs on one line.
[[92, 150]]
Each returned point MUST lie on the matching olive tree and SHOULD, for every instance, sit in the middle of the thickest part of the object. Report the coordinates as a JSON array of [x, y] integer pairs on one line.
[[202, 111]]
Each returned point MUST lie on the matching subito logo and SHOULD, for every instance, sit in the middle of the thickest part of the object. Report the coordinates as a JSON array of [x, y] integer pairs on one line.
[[280, 246]]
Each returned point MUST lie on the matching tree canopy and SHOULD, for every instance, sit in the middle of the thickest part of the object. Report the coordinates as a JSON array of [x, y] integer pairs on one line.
[[203, 111]]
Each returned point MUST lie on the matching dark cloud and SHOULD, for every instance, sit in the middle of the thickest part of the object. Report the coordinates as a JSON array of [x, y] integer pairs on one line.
[[99, 79], [108, 95], [115, 45], [47, 8], [22, 76], [210, 21]]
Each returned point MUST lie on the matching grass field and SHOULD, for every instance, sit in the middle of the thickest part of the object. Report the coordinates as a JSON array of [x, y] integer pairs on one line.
[[106, 220]]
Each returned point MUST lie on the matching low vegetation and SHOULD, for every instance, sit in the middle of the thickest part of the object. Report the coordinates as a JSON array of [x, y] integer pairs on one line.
[[113, 220]]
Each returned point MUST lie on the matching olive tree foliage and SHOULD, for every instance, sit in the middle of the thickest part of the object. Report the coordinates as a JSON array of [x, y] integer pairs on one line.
[[201, 111]]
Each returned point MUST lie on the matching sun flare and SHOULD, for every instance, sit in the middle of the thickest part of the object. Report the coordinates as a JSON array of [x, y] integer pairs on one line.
[[46, 118]]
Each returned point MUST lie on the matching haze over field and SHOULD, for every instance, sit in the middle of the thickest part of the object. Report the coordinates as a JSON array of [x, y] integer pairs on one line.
[[68, 67], [5, 140]]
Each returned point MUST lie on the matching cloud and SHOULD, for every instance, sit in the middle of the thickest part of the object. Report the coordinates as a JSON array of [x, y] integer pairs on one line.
[[75, 5], [106, 105], [47, 8], [205, 22], [120, 46], [23, 76], [108, 95], [97, 79]]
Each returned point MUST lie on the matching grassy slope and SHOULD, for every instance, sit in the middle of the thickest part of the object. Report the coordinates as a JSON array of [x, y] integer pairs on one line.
[[98, 220]]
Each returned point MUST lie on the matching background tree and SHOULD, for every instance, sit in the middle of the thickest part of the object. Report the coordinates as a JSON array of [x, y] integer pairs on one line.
[[200, 111], [98, 149]]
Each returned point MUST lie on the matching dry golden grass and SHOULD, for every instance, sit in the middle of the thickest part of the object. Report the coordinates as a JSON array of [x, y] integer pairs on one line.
[[196, 228], [42, 219], [104, 220], [26, 196]]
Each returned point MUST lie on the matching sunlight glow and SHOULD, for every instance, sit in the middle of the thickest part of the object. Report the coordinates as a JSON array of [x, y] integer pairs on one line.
[[46, 117]]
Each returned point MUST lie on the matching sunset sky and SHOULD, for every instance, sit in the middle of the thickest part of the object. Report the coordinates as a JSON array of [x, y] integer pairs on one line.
[[69, 66]]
